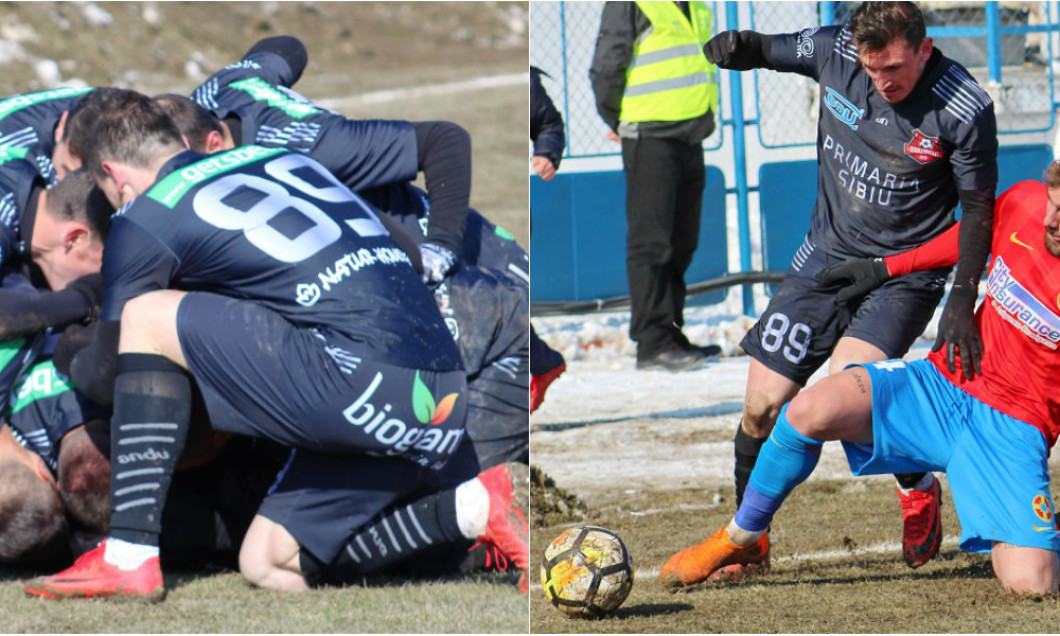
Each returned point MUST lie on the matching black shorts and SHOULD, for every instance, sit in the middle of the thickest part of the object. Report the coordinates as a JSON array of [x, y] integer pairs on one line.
[[802, 323], [321, 499], [262, 376]]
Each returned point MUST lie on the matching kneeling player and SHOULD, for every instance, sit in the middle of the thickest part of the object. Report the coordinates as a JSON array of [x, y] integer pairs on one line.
[[306, 325], [952, 412]]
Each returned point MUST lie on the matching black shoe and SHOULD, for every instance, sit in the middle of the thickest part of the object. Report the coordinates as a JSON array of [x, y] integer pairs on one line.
[[707, 351], [676, 359]]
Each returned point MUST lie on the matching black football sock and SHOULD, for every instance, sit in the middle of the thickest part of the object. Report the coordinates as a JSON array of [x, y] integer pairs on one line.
[[746, 449], [152, 411], [908, 480], [390, 538]]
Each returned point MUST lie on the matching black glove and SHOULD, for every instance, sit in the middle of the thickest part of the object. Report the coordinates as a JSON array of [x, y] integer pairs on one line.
[[74, 338], [960, 334], [736, 50], [857, 277], [91, 287]]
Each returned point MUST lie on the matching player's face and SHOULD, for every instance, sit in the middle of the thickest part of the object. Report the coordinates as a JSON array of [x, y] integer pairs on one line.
[[63, 160], [109, 186], [896, 68], [63, 252], [1052, 222], [13, 453]]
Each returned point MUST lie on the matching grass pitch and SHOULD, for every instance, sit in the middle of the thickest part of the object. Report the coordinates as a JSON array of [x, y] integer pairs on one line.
[[653, 463], [221, 602], [837, 567]]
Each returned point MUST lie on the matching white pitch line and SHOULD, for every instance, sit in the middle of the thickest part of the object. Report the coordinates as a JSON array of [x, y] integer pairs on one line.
[[448, 88], [820, 556]]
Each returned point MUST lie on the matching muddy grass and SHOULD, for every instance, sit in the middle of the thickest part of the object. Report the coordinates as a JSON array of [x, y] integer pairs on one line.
[[652, 462]]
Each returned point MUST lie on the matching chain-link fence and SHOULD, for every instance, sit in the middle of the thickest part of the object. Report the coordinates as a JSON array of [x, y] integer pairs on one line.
[[562, 38], [1007, 46], [1015, 69]]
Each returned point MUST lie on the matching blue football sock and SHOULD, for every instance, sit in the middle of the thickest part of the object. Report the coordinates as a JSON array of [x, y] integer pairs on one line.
[[786, 460]]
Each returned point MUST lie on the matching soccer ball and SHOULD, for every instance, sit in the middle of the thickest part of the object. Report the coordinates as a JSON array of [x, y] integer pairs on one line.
[[587, 572]]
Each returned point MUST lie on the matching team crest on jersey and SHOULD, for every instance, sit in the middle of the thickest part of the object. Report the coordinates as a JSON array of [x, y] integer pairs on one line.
[[842, 109], [1042, 507], [922, 148]]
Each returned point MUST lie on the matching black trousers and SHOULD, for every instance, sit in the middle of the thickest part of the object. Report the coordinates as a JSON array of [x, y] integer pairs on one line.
[[664, 193]]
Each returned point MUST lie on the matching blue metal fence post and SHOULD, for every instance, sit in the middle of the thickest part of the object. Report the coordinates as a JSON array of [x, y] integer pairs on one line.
[[732, 21], [827, 13], [993, 40]]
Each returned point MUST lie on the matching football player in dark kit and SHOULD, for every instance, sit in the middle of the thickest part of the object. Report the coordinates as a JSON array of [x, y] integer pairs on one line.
[[256, 105], [281, 294], [904, 134], [33, 156]]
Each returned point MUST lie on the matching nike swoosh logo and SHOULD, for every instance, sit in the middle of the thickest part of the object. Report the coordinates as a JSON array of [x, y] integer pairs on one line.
[[1038, 528], [1019, 242]]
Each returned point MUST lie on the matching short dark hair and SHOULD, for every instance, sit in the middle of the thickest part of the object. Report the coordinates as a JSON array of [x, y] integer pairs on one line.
[[126, 126], [1051, 176], [79, 119], [84, 475], [874, 25], [194, 121], [33, 527], [76, 198]]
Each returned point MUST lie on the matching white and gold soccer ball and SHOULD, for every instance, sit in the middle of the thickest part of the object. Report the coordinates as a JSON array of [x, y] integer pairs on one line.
[[587, 572]]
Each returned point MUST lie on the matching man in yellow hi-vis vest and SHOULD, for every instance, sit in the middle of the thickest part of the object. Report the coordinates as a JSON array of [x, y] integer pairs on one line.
[[659, 95]]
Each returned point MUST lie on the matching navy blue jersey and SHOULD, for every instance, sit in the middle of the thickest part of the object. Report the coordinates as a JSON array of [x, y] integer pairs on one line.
[[27, 130], [44, 406], [888, 174], [485, 244], [275, 227], [362, 154]]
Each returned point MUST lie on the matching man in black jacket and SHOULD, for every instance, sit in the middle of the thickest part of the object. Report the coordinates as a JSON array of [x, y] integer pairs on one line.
[[659, 101]]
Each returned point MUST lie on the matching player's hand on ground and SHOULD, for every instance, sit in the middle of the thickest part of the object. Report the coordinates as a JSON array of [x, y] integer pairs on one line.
[[437, 261], [959, 333], [857, 277]]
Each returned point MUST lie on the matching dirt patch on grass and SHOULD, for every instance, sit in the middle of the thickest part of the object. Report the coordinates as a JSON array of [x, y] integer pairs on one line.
[[551, 505]]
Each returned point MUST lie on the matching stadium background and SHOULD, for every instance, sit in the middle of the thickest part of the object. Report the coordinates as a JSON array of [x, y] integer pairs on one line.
[[761, 171], [463, 62]]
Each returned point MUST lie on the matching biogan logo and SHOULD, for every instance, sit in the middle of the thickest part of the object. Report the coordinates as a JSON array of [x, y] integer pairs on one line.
[[397, 434]]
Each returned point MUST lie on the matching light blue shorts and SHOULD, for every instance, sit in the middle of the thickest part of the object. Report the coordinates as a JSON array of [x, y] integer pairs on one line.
[[996, 464]]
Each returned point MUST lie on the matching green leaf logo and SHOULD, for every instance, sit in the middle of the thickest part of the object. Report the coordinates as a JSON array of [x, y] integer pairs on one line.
[[422, 401], [427, 410]]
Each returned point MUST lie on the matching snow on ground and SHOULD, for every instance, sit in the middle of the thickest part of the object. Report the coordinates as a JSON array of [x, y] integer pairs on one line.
[[604, 423]]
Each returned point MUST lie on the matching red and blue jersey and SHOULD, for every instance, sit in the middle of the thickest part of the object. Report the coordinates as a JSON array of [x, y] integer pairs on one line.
[[1019, 320]]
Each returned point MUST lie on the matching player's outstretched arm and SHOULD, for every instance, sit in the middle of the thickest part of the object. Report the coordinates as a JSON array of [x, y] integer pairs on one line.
[[859, 276], [739, 50], [958, 331], [23, 313], [444, 157]]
